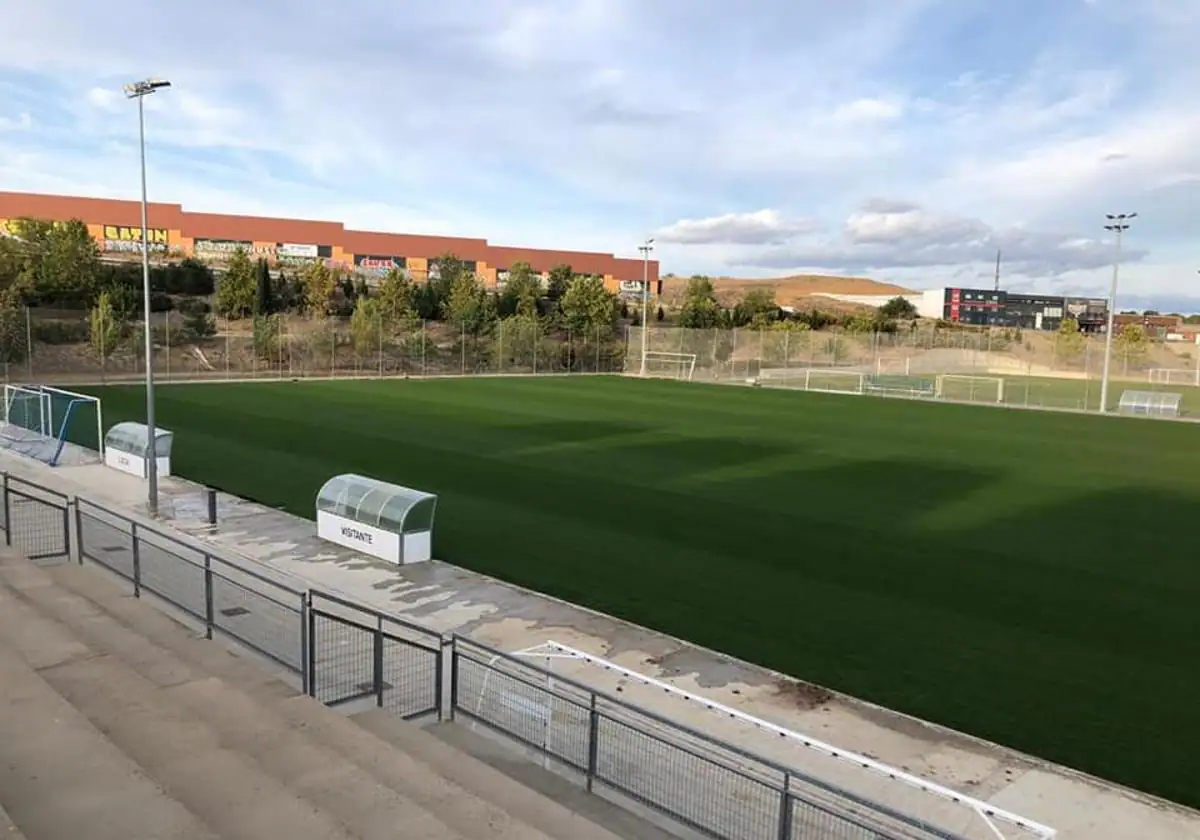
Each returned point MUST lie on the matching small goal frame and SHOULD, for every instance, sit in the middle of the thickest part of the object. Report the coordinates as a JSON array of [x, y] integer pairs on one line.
[[998, 381], [997, 821], [1175, 376], [686, 362], [53, 425], [858, 384]]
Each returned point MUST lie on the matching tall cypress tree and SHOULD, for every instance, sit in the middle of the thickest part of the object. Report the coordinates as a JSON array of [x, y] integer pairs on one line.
[[265, 302]]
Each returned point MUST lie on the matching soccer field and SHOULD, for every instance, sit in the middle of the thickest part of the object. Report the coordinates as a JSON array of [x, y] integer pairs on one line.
[[1027, 577]]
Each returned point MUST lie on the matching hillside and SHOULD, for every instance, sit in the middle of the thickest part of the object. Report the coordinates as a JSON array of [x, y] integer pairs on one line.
[[798, 290]]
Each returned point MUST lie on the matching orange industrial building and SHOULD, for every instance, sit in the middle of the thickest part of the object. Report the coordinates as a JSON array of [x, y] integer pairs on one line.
[[116, 225]]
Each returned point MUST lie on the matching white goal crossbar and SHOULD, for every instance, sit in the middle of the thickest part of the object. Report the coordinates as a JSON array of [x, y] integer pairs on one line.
[[55, 408], [684, 364], [829, 380], [990, 814], [987, 384], [1175, 376]]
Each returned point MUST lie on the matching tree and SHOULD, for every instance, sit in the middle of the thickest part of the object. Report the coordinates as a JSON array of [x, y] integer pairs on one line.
[[267, 334], [1069, 342], [521, 292], [700, 309], [319, 285], [396, 299], [105, 328], [60, 261], [13, 344], [898, 309], [587, 306], [559, 281], [757, 309], [366, 326], [265, 298], [1133, 343], [468, 305], [236, 289], [444, 272]]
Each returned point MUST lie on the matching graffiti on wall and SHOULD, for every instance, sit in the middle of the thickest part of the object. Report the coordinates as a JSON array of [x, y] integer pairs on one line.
[[378, 265], [121, 238]]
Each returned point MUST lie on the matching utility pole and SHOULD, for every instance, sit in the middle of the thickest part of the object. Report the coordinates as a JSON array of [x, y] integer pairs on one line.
[[646, 247], [997, 286], [139, 91], [1117, 223]]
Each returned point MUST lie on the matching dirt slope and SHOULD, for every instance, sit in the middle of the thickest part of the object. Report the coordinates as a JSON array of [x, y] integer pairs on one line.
[[796, 291]]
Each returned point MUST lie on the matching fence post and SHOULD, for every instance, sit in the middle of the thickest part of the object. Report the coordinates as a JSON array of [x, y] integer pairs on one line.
[[79, 529], [66, 516], [785, 809], [137, 560], [593, 742], [208, 598], [453, 676], [8, 524], [312, 649], [439, 679], [304, 643], [378, 662]]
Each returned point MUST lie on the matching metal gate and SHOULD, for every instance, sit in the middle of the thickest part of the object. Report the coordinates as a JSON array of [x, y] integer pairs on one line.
[[37, 520]]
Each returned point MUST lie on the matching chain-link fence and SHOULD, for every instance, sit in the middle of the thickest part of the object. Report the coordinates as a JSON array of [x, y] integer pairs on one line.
[[64, 346], [1013, 366]]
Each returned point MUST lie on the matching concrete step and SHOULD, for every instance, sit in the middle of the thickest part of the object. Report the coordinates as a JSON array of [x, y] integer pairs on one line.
[[61, 779], [343, 790], [224, 788], [8, 828], [536, 796], [471, 816], [552, 808]]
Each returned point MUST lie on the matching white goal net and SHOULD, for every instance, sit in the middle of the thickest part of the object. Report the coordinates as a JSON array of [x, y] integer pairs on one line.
[[829, 380], [965, 388], [1175, 376], [52, 424], [670, 365]]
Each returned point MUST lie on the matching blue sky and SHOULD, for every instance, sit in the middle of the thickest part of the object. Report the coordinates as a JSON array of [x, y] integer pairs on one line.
[[904, 140]]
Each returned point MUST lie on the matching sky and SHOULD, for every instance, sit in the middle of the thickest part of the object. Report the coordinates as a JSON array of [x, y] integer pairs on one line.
[[904, 140]]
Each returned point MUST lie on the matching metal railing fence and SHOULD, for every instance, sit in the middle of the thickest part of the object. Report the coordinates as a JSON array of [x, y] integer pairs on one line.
[[347, 653]]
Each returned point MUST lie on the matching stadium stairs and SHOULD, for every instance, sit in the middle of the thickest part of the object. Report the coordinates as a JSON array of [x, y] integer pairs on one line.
[[118, 722]]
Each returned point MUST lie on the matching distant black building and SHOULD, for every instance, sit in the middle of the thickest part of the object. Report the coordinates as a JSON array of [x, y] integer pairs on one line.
[[997, 308]]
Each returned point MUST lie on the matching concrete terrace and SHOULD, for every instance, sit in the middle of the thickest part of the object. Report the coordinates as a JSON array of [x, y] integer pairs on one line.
[[449, 599], [118, 722]]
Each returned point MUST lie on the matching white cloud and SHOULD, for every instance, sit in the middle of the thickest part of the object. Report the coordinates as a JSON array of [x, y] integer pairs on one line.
[[21, 122], [762, 227], [587, 123]]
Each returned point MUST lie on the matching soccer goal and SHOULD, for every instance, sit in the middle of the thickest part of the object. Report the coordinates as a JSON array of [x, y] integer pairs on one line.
[[52, 424], [966, 388], [1175, 376], [829, 380], [670, 365]]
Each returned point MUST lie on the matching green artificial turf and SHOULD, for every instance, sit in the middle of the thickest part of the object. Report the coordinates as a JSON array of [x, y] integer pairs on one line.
[[1027, 577]]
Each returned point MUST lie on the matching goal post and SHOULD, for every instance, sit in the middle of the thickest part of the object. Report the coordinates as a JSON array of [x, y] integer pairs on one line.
[[967, 388], [45, 422], [1175, 376], [673, 365], [828, 380]]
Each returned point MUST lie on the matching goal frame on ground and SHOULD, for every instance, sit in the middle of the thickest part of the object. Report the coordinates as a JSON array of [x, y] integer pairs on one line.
[[686, 362], [998, 381], [54, 427], [992, 816], [1164, 376], [767, 375]]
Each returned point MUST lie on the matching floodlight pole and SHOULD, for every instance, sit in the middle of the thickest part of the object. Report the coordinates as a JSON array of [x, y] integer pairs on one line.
[[1117, 223], [646, 247], [139, 91]]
